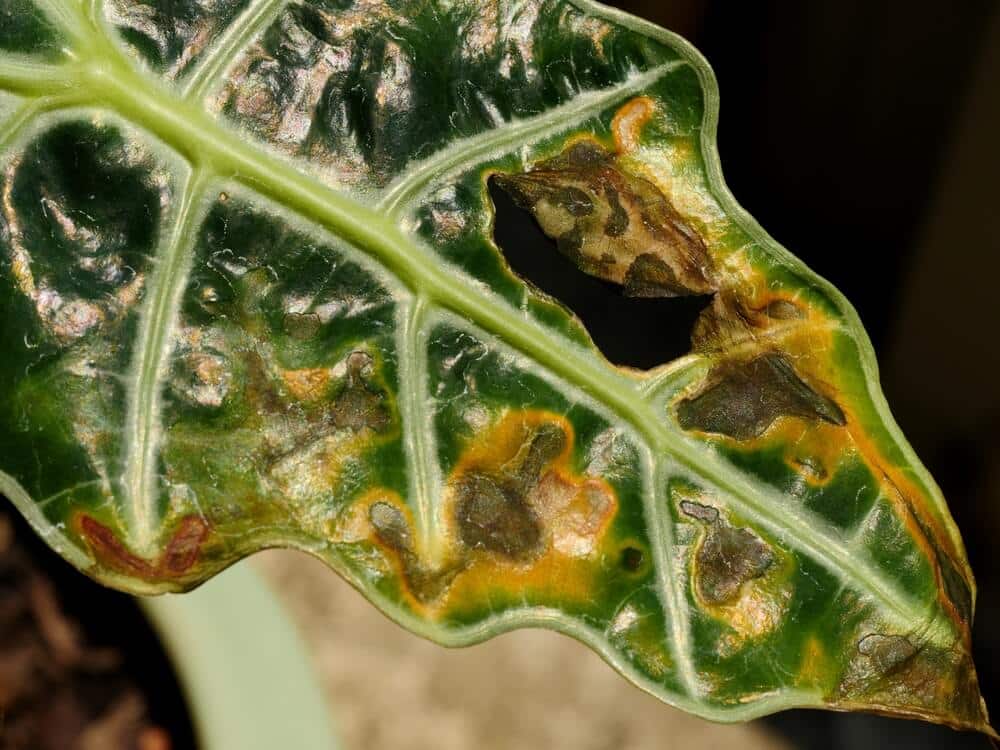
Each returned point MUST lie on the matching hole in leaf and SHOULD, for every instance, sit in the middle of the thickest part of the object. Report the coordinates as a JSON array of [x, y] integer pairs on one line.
[[629, 331]]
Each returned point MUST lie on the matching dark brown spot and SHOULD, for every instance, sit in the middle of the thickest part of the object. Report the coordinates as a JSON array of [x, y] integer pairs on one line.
[[569, 243], [494, 516], [583, 154], [745, 398], [523, 192], [618, 221], [956, 587], [632, 559], [574, 200], [705, 513], [728, 556], [648, 276], [357, 407], [393, 530]]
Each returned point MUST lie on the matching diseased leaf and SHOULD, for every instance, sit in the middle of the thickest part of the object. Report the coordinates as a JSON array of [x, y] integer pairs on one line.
[[251, 298]]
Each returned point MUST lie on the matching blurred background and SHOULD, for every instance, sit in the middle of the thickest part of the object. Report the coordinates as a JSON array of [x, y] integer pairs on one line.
[[863, 137]]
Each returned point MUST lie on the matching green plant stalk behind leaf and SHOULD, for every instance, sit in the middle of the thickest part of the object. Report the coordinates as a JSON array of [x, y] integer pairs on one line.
[[251, 298]]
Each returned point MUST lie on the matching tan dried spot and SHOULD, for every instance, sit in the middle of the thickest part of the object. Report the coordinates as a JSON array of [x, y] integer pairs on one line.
[[208, 378], [448, 225], [742, 320], [70, 319], [575, 513], [596, 29], [380, 517], [312, 469], [887, 653], [309, 384], [613, 224]]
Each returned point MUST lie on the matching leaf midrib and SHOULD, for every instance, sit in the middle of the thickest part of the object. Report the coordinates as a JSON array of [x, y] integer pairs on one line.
[[207, 144], [144, 398]]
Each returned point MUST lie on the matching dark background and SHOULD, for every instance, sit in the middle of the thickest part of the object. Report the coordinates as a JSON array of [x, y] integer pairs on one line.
[[864, 137]]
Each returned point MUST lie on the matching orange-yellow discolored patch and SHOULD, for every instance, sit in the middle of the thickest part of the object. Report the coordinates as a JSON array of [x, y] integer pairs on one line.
[[815, 668], [552, 547], [628, 122], [813, 449], [574, 512]]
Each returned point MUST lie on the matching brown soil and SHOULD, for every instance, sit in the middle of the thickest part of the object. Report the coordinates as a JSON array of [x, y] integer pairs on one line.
[[79, 667]]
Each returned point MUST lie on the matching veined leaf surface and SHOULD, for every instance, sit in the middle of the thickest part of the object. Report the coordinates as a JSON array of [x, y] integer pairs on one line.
[[251, 299]]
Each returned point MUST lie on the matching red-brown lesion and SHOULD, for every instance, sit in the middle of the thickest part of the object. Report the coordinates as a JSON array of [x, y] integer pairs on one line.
[[179, 557]]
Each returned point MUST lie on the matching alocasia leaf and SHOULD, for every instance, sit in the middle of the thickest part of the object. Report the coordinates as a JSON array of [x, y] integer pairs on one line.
[[251, 298]]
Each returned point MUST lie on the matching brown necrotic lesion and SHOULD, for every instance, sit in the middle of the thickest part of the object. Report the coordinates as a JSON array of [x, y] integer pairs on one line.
[[493, 511], [617, 225], [518, 518], [613, 224], [893, 672], [359, 405], [392, 529], [727, 557], [743, 398]]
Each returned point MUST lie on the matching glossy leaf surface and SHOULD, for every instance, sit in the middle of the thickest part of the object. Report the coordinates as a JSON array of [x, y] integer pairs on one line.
[[251, 298]]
